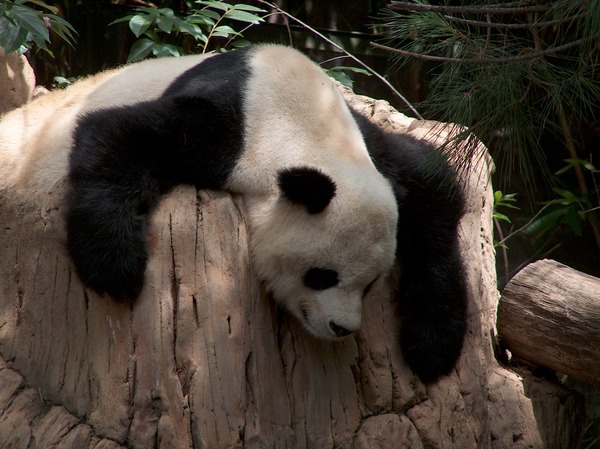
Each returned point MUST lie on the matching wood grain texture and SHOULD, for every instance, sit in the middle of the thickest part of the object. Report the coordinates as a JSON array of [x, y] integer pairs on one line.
[[549, 315]]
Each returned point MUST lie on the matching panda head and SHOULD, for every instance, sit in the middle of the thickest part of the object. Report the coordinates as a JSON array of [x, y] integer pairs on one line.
[[322, 241], [322, 218]]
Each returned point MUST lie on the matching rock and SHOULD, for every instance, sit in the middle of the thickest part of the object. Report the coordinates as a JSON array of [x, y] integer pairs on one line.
[[17, 81]]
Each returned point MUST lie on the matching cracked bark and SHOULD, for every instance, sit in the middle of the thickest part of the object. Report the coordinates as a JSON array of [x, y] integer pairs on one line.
[[204, 359]]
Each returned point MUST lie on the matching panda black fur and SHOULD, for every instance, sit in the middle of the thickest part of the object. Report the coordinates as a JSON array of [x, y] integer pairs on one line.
[[333, 202]]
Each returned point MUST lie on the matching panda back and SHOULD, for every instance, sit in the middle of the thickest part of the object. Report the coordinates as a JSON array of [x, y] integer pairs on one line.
[[36, 139]]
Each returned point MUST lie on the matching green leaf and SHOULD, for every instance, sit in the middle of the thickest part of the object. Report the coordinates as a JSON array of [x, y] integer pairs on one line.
[[566, 194], [40, 43], [582, 162], [41, 4], [341, 77], [22, 27], [588, 166], [574, 221], [165, 24], [201, 38], [166, 19], [140, 49], [504, 200], [163, 50], [217, 5], [243, 16], [223, 31], [345, 68], [563, 170], [502, 217], [249, 8], [139, 23], [11, 36], [500, 245], [166, 12], [62, 82], [208, 15], [240, 43], [546, 221], [189, 28], [148, 10], [122, 19], [64, 29], [31, 20]]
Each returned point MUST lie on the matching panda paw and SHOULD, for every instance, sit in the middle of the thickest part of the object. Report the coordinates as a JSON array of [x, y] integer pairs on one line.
[[117, 272], [432, 346], [123, 280], [108, 250]]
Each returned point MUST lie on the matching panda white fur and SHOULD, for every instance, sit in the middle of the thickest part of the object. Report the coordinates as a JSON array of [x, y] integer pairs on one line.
[[333, 202]]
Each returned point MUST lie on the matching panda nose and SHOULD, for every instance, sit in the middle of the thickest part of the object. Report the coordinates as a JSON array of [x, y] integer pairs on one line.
[[340, 331]]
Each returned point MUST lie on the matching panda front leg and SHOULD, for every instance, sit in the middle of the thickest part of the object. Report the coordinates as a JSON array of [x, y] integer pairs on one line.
[[432, 295], [433, 303], [122, 160], [106, 233], [433, 292], [112, 187]]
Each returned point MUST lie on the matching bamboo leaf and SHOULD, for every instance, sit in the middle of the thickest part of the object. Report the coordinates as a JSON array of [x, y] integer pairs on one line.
[[249, 8], [44, 5], [11, 35], [31, 21], [216, 5], [243, 16], [208, 14]]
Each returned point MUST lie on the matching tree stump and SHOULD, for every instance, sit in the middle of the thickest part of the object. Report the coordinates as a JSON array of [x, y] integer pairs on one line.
[[204, 359]]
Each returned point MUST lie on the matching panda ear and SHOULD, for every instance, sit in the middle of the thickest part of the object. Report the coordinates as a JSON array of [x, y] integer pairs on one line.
[[307, 186]]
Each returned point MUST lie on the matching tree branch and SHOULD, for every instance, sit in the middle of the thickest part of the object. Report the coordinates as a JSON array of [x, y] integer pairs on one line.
[[508, 59], [505, 8], [513, 26]]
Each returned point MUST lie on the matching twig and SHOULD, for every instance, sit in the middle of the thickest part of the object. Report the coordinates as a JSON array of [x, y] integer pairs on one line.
[[513, 26], [243, 30], [525, 226], [354, 58], [508, 59], [497, 9]]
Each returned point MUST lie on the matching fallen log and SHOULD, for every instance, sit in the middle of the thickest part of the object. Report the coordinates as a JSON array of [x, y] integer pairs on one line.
[[549, 315]]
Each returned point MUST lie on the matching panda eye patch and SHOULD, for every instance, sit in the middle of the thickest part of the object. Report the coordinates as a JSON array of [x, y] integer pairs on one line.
[[320, 278]]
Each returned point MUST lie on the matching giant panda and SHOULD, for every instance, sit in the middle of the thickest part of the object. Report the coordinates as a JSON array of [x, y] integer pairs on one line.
[[333, 202]]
